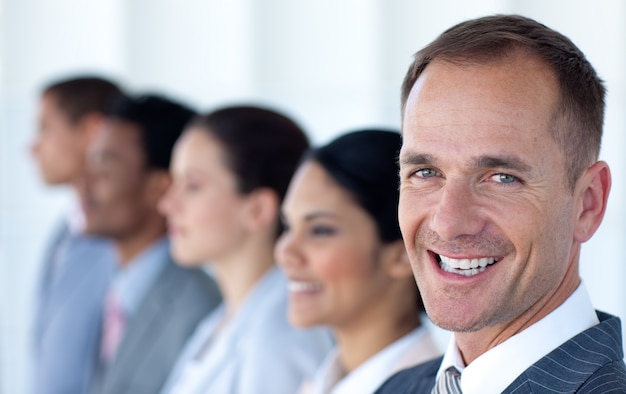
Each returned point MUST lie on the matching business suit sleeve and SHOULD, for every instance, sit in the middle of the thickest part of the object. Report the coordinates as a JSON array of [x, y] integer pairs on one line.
[[155, 336]]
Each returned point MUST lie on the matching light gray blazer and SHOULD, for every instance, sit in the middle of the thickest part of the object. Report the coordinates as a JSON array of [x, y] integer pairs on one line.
[[155, 335], [257, 352]]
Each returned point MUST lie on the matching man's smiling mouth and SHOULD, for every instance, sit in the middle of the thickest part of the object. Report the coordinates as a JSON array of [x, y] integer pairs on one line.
[[465, 267]]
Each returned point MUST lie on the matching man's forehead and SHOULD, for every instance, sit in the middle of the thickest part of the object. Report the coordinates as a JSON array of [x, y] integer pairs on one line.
[[521, 69]]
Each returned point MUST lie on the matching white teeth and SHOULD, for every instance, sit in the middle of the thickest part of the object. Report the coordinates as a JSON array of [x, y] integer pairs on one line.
[[295, 286], [467, 267]]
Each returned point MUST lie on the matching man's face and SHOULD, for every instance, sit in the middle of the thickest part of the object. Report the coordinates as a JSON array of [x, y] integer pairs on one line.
[[116, 202], [485, 212], [59, 147]]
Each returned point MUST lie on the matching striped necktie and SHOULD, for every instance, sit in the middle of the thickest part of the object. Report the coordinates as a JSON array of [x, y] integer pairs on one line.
[[448, 383]]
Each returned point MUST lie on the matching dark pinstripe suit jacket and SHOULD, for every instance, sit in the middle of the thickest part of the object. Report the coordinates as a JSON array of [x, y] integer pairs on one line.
[[590, 362]]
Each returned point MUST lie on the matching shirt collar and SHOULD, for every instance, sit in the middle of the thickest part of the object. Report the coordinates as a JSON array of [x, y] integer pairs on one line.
[[501, 365], [367, 377], [76, 221], [132, 282]]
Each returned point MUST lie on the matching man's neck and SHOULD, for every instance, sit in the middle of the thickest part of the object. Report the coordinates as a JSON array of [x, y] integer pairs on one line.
[[473, 344], [130, 247]]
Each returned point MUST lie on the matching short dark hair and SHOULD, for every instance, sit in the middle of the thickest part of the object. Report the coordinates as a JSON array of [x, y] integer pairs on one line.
[[263, 147], [77, 97], [364, 162], [160, 120], [578, 118]]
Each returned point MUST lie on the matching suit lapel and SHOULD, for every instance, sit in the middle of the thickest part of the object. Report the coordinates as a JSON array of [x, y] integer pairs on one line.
[[574, 361], [426, 376], [87, 262], [147, 325]]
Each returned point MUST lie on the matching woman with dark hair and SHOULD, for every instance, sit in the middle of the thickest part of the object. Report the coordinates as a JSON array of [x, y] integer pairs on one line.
[[231, 170], [346, 263]]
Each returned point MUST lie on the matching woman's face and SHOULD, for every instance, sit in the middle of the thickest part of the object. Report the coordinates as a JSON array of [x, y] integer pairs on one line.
[[202, 206], [330, 252]]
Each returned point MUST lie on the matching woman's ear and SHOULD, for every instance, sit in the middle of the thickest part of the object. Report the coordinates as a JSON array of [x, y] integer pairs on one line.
[[396, 260], [261, 209]]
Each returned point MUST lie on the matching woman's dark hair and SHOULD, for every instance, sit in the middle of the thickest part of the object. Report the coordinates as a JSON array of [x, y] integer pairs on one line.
[[263, 147], [365, 163]]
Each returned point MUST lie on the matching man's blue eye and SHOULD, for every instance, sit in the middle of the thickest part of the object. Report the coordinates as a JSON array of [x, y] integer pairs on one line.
[[426, 173], [504, 178]]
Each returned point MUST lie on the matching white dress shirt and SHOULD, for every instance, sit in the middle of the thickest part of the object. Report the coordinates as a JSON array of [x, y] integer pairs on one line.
[[496, 369], [412, 349], [256, 351]]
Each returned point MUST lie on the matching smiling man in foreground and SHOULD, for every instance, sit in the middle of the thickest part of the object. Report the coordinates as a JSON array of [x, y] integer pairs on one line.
[[500, 186]]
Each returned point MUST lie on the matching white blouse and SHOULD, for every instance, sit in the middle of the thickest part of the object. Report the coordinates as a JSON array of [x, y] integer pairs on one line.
[[412, 349], [256, 351]]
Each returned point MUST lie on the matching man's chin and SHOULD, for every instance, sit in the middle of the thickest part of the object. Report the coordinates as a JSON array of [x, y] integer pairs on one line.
[[98, 231], [457, 321]]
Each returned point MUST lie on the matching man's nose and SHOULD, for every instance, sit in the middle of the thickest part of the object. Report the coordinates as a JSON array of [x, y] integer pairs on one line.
[[457, 212]]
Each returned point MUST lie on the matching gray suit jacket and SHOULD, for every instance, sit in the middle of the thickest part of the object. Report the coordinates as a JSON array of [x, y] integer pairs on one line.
[[156, 334], [69, 311], [590, 362]]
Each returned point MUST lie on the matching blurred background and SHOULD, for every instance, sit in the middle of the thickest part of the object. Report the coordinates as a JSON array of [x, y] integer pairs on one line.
[[333, 65]]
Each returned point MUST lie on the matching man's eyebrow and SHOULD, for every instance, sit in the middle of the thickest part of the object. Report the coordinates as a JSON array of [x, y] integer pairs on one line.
[[485, 161], [415, 158], [507, 162]]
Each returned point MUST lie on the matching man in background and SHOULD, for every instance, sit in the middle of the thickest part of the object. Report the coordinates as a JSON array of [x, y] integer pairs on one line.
[[77, 268], [153, 305]]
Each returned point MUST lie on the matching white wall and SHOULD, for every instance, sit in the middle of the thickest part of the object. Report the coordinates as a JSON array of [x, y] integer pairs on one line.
[[332, 64]]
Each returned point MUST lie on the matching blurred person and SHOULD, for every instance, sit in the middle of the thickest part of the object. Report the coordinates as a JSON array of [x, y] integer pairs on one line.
[[343, 254], [152, 304], [500, 186], [231, 169], [77, 267]]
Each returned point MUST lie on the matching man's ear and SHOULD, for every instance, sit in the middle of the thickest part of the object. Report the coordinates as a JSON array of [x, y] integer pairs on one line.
[[396, 260], [592, 191], [261, 209], [90, 125], [157, 184]]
